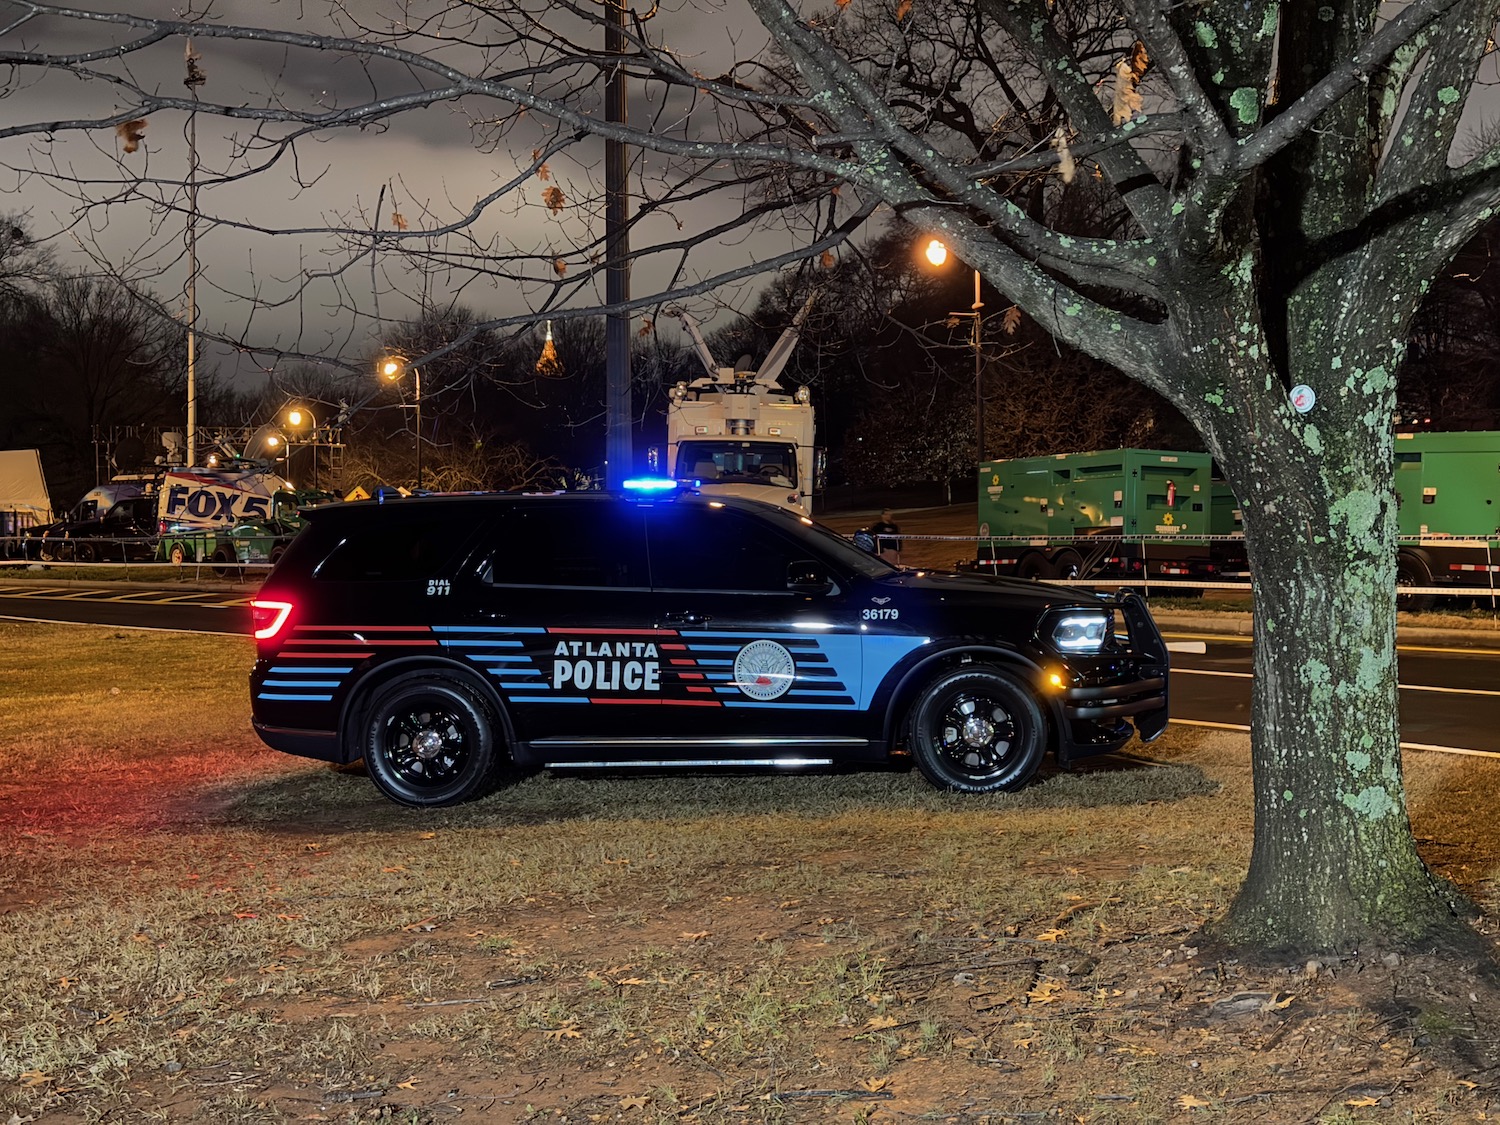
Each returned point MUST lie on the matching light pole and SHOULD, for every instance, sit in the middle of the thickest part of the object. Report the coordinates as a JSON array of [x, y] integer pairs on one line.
[[297, 418], [392, 367], [937, 254]]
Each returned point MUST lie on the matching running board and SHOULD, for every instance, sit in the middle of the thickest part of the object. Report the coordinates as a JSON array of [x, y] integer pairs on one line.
[[694, 764]]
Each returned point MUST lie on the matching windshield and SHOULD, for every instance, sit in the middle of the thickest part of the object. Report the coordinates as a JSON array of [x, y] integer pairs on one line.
[[830, 543], [742, 462]]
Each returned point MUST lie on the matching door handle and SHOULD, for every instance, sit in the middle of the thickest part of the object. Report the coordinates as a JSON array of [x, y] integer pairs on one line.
[[686, 617]]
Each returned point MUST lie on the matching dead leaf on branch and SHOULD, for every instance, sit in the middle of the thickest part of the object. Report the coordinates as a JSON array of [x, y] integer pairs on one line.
[[132, 133], [1127, 99], [827, 260], [1010, 321], [1139, 60], [554, 199], [560, 268], [903, 9], [1065, 163], [398, 220]]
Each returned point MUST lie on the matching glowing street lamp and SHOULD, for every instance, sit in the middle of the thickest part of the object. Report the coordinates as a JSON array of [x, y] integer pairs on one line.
[[299, 418], [392, 368], [937, 254]]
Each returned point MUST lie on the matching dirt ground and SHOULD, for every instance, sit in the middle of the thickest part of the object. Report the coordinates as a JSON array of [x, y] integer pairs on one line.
[[876, 957]]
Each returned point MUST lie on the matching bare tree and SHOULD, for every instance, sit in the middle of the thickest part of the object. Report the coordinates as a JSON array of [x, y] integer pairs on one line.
[[1292, 176]]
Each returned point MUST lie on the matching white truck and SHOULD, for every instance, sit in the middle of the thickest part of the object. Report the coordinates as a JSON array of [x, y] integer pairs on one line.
[[739, 432]]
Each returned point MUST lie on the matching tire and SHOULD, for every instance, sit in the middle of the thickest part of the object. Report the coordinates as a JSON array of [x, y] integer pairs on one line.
[[977, 730], [224, 564], [85, 553], [178, 555], [429, 741], [1067, 564], [1411, 570], [276, 553], [1033, 566]]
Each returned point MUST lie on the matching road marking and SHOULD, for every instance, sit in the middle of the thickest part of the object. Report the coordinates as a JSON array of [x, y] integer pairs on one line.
[[1245, 639], [1241, 727], [137, 628], [1403, 687]]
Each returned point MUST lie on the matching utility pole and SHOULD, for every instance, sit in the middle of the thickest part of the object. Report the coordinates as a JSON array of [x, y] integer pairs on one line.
[[193, 80], [617, 444]]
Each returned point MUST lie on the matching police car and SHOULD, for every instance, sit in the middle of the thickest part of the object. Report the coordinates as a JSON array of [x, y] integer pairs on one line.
[[452, 642]]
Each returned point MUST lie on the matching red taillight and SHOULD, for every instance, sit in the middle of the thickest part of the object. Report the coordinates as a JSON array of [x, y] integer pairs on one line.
[[267, 618]]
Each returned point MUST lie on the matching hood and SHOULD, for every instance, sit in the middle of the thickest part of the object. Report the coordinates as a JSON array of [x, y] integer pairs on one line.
[[955, 587]]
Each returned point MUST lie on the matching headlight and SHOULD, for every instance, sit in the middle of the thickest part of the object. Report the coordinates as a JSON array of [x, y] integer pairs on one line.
[[1086, 631]]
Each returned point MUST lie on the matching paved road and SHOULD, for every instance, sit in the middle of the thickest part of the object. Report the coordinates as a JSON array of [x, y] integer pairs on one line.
[[1450, 693], [140, 607]]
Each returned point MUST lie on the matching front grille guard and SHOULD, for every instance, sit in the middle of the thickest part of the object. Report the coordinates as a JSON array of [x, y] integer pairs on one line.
[[1146, 644]]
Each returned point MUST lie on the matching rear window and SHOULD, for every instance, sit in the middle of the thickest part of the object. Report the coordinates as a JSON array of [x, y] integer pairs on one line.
[[403, 550]]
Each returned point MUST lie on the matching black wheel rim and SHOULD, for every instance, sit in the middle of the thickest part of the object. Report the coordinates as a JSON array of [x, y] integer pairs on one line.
[[975, 735], [426, 747]]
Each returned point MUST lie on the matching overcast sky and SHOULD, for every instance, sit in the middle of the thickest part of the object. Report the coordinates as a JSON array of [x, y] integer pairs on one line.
[[425, 163]]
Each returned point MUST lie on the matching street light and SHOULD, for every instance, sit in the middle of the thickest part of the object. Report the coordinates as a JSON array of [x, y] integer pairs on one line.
[[937, 254], [298, 417], [391, 368]]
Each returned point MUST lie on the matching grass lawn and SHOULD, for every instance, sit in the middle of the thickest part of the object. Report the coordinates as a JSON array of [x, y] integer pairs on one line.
[[193, 928]]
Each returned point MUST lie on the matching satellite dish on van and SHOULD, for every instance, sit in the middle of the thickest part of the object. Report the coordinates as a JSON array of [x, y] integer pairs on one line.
[[267, 444], [129, 453]]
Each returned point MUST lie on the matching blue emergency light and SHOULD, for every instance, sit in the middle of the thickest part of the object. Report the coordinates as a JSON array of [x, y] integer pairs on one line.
[[650, 486]]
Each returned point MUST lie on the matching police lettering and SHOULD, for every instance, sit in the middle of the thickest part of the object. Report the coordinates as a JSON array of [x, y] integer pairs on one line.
[[608, 666]]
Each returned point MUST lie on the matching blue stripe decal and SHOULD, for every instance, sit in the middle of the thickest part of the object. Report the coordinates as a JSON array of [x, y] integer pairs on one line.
[[302, 683], [304, 698], [548, 698], [882, 653], [288, 669], [485, 642]]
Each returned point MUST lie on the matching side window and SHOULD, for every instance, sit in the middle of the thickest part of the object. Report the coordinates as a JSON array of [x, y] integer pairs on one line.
[[393, 551], [695, 548], [582, 544]]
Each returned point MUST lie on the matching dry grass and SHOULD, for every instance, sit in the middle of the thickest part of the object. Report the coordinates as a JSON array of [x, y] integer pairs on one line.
[[193, 928]]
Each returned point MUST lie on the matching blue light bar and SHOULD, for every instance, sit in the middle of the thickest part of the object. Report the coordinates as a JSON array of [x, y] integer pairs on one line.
[[650, 485]]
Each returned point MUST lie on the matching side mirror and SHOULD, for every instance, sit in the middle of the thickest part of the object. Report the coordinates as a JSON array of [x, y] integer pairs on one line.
[[807, 576]]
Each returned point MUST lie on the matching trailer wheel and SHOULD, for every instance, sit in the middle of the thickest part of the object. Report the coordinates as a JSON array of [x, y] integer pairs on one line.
[[430, 741], [1411, 570], [224, 563], [1067, 564], [977, 730], [179, 554], [276, 554], [1033, 566]]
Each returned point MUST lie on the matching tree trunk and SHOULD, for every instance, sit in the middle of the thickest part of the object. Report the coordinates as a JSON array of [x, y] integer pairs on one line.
[[1334, 865]]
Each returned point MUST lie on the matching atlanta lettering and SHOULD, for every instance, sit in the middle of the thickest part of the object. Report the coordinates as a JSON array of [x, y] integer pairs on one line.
[[606, 666]]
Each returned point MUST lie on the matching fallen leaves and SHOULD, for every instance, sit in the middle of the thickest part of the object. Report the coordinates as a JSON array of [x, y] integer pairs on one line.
[[1189, 1101], [558, 1034]]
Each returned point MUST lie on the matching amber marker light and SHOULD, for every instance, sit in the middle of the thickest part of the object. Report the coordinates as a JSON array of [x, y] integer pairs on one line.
[[267, 617]]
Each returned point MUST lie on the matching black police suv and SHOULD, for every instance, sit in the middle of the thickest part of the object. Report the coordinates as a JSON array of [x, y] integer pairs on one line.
[[453, 641]]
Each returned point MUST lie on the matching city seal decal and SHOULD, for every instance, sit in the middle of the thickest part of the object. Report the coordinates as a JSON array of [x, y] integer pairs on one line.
[[764, 670]]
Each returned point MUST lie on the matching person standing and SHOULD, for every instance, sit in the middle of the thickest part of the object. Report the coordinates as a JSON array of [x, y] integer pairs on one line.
[[886, 546]]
